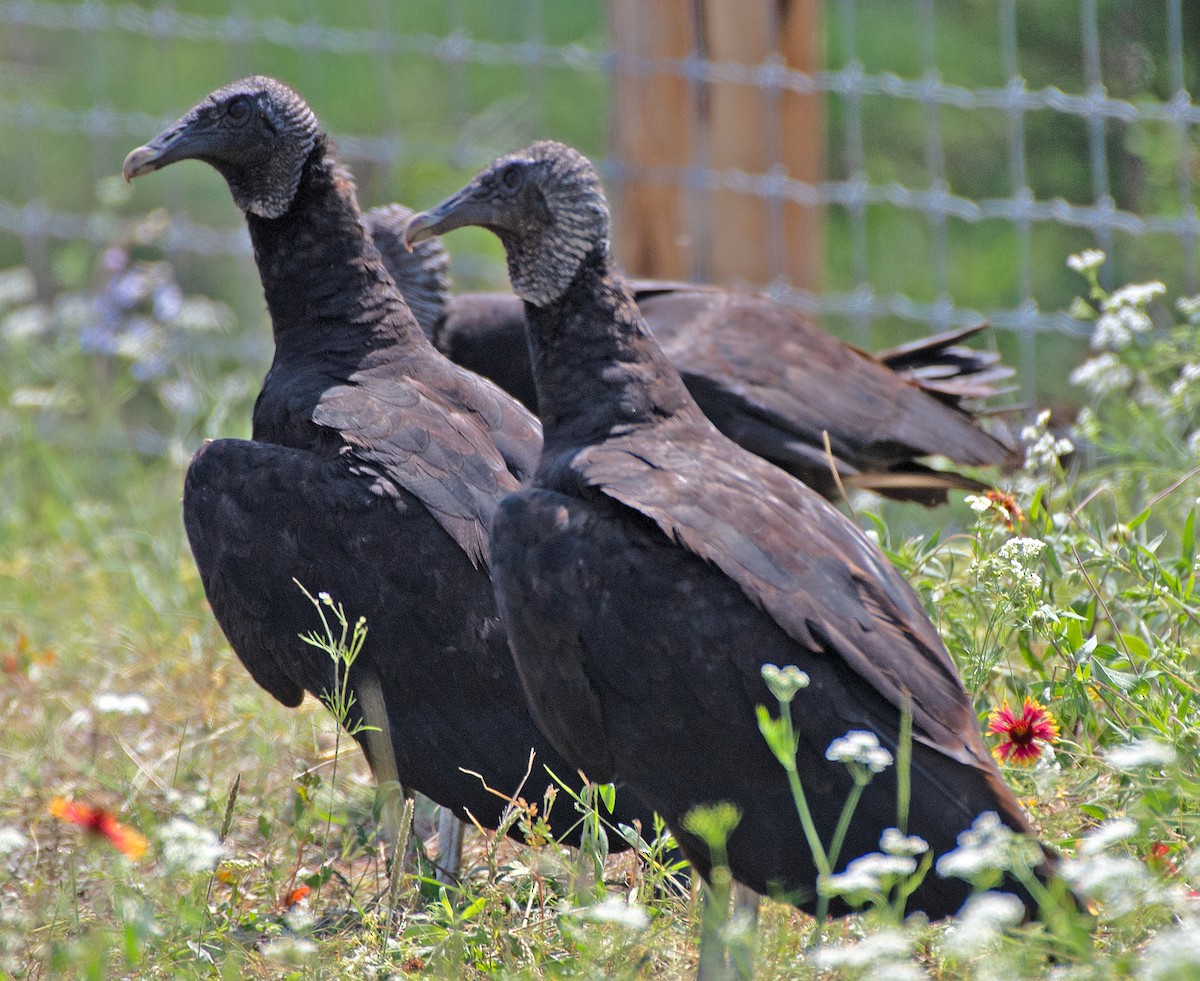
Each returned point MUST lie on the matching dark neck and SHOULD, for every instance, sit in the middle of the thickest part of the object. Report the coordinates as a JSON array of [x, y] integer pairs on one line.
[[599, 371], [322, 276]]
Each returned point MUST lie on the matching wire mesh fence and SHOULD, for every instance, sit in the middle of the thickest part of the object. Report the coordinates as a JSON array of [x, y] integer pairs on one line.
[[970, 147]]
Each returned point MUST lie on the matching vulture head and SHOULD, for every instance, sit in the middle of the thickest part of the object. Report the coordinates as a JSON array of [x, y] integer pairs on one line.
[[547, 207], [256, 132]]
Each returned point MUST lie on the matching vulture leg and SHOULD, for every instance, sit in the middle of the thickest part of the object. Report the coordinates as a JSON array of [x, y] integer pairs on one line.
[[450, 845]]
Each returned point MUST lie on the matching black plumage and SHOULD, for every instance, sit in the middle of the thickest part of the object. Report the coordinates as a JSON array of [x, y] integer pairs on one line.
[[654, 566], [763, 373], [374, 468]]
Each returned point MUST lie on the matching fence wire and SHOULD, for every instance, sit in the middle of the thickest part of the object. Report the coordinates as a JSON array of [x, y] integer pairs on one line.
[[860, 297]]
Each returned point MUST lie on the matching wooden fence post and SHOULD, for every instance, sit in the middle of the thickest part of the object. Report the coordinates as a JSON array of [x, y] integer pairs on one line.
[[662, 121]]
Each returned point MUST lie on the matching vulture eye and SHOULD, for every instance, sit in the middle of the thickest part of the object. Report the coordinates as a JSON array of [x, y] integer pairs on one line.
[[512, 177], [238, 109]]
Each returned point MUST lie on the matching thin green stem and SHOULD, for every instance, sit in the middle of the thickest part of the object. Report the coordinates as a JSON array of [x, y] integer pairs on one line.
[[843, 825]]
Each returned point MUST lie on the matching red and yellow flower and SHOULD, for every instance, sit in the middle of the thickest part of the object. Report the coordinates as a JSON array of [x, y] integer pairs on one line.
[[100, 823], [1025, 733]]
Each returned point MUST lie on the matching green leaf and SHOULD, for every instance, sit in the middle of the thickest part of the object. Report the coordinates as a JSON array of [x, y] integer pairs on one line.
[[477, 907], [1118, 679]]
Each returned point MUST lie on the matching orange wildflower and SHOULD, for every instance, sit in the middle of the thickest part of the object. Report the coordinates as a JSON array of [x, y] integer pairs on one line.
[[1007, 507], [1024, 734], [297, 894], [101, 823]]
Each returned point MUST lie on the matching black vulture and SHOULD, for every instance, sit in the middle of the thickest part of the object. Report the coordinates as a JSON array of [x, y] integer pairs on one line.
[[765, 375], [374, 468], [653, 567]]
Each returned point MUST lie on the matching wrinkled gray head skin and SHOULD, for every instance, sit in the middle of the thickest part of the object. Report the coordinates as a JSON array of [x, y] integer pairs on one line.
[[256, 132], [546, 205], [422, 274]]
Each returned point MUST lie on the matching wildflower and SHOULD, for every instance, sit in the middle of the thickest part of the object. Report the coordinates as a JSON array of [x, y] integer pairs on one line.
[[1006, 505], [1023, 733], [121, 704], [1189, 306], [188, 847], [1122, 883], [296, 895], [1102, 374], [616, 910], [101, 823], [299, 919], [1189, 374], [1139, 753], [1042, 447], [988, 846], [872, 872], [25, 323], [16, 286], [880, 946], [977, 503], [784, 682], [859, 747], [1020, 550], [1105, 835], [1173, 954], [11, 841], [893, 842], [1135, 295], [1113, 332], [981, 921], [288, 951], [1159, 859], [1086, 261]]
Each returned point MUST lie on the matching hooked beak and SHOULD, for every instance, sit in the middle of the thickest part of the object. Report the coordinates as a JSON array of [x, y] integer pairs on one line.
[[467, 207], [177, 142]]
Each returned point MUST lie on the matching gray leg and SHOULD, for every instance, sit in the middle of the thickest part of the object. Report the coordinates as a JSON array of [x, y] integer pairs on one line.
[[744, 931], [450, 845]]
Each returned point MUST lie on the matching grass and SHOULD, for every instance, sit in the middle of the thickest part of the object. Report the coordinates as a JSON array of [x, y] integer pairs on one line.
[[266, 857], [99, 596]]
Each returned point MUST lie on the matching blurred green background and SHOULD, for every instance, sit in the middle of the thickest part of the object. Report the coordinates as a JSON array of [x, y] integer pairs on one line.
[[421, 92]]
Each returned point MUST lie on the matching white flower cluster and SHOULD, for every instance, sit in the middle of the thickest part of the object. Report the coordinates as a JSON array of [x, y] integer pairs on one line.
[[1086, 261], [1102, 374], [11, 841], [859, 747], [288, 951], [1042, 447], [987, 846], [614, 909], [784, 682], [1189, 374], [981, 922], [978, 503], [121, 704], [1121, 883], [1189, 306], [1115, 328], [895, 842], [1104, 836], [1136, 295], [1021, 550], [1173, 954], [868, 873], [1139, 753], [882, 947], [186, 847], [1008, 572]]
